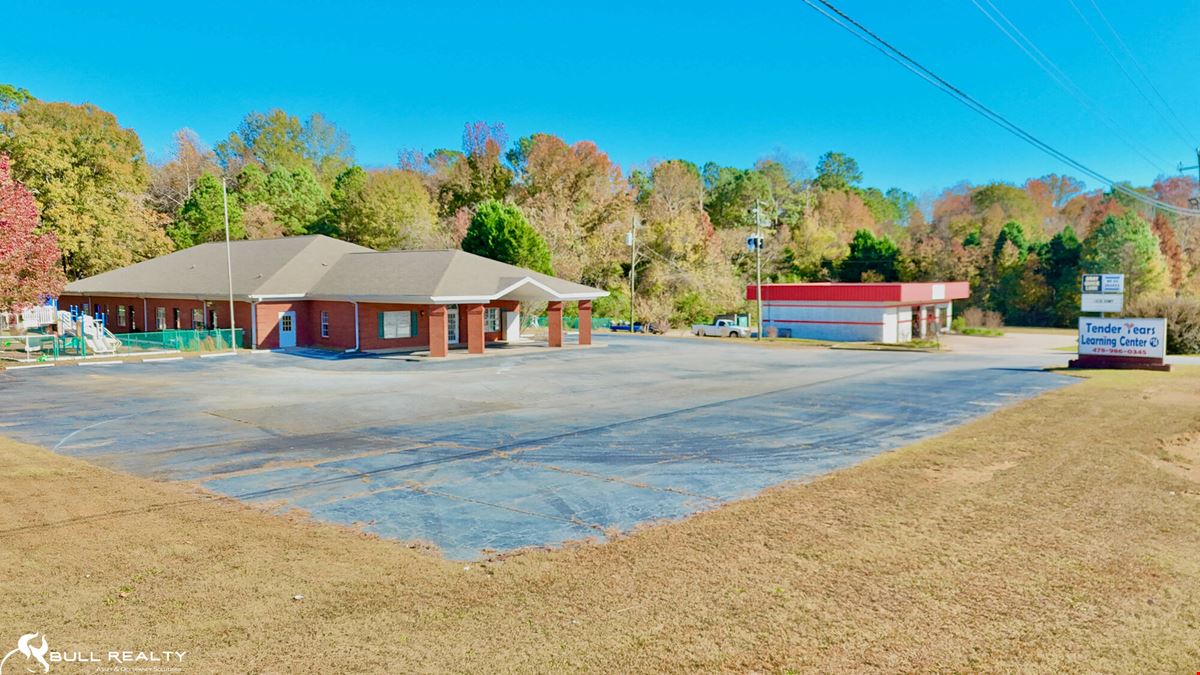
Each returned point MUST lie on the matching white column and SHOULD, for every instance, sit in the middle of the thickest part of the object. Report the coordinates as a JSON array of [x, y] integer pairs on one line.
[[946, 326], [923, 320], [512, 331]]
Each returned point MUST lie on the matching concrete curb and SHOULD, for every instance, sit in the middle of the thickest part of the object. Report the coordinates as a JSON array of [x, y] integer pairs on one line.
[[881, 348]]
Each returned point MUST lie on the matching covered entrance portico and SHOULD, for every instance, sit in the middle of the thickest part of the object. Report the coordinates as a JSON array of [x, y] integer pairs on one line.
[[477, 320]]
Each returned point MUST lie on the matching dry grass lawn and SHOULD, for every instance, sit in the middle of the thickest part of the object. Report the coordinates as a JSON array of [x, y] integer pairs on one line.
[[1059, 534]]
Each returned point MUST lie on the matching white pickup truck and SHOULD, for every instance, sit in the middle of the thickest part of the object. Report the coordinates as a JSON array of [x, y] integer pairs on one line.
[[720, 328]]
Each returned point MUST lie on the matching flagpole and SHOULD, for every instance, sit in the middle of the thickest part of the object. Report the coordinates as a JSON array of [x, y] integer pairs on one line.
[[229, 267]]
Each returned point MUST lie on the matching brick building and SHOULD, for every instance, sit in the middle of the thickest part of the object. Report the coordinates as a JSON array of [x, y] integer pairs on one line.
[[315, 291]]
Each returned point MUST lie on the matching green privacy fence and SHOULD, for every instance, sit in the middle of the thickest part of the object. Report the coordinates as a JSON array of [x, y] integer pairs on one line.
[[572, 322], [182, 340]]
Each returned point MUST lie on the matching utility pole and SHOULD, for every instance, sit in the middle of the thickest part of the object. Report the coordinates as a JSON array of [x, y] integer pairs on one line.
[[758, 243], [631, 241], [228, 268], [1193, 202]]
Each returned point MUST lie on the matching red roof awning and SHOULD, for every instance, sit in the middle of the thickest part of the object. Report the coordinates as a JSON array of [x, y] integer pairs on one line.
[[914, 292]]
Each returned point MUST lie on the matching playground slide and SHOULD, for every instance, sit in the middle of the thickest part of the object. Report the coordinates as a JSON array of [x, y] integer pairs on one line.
[[97, 338]]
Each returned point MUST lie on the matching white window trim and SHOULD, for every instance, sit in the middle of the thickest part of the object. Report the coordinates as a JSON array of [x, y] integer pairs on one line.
[[395, 333], [491, 319], [325, 325]]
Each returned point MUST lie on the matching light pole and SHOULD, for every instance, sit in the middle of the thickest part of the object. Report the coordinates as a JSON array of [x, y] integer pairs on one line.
[[228, 267], [631, 242], [758, 244]]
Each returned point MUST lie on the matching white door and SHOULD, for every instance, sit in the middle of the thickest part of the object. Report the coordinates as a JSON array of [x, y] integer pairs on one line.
[[451, 323], [287, 329]]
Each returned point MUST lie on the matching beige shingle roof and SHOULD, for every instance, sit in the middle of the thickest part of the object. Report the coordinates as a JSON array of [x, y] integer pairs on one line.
[[320, 267]]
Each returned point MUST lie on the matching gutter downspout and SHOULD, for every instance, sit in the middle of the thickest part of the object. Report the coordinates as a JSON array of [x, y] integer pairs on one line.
[[254, 324], [146, 316], [356, 343]]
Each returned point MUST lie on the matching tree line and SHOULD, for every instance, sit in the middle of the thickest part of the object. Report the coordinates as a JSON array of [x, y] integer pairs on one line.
[[565, 208]]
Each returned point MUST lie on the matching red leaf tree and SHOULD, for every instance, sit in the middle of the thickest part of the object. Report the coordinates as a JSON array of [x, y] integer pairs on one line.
[[29, 261]]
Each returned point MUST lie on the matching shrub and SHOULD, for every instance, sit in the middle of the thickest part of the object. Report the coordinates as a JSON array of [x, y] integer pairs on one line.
[[975, 317], [958, 324], [972, 316], [1183, 320], [993, 320]]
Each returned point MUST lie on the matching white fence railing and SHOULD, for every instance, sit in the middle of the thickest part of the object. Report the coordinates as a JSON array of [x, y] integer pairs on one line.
[[28, 319]]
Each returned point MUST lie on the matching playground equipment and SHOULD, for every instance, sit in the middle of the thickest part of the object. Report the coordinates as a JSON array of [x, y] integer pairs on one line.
[[90, 334], [47, 332]]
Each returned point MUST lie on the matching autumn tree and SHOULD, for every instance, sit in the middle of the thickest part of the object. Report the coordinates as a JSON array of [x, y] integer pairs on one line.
[[88, 175], [683, 275], [11, 97], [386, 210], [1000, 203], [1169, 246], [171, 183], [577, 199], [476, 174], [277, 140], [327, 148], [29, 266], [270, 140]]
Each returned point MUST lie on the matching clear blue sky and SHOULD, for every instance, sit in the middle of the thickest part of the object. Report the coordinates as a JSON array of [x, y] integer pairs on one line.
[[721, 81]]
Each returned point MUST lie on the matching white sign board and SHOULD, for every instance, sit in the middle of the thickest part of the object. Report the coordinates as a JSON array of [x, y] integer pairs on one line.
[[939, 292], [1101, 302], [1112, 283], [1144, 338]]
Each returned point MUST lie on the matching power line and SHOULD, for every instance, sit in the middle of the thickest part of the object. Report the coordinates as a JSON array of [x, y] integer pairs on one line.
[[861, 32], [1065, 82], [1177, 126], [1137, 64]]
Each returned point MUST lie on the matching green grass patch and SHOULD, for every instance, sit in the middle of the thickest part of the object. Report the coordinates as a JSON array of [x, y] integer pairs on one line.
[[1041, 330], [981, 332]]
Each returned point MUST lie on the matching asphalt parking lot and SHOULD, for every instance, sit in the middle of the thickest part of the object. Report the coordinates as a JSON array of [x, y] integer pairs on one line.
[[505, 452]]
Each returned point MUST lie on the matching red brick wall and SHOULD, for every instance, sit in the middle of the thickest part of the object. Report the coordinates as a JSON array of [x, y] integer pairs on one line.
[[241, 314], [341, 324], [110, 310], [142, 318], [368, 326], [268, 323], [308, 320]]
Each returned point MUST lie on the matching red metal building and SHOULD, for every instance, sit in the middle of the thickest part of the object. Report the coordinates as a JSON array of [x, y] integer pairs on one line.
[[882, 312]]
